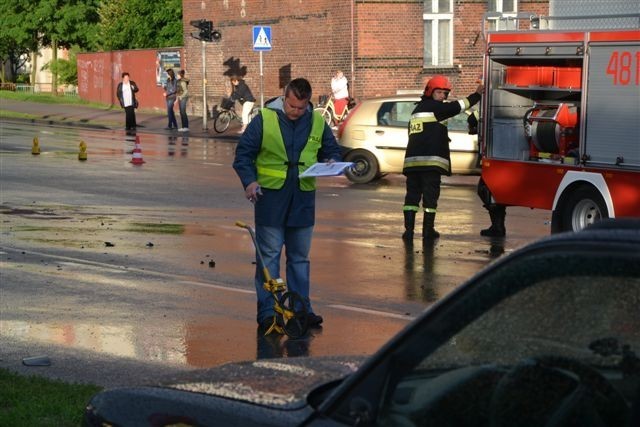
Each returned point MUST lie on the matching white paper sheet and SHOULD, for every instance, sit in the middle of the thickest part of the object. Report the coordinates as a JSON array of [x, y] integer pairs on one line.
[[326, 169]]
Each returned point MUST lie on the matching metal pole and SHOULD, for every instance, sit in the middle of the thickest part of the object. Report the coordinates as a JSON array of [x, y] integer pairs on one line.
[[261, 83], [204, 87]]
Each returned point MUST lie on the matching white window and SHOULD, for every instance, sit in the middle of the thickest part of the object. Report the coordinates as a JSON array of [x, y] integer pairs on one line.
[[438, 33], [508, 8]]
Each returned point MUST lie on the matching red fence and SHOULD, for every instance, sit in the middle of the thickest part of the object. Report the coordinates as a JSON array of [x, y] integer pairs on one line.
[[99, 74]]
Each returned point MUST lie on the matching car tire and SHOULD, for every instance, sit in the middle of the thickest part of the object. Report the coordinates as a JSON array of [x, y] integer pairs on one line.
[[365, 168], [583, 207]]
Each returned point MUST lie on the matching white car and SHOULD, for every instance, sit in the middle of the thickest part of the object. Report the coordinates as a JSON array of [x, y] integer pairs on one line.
[[374, 137]]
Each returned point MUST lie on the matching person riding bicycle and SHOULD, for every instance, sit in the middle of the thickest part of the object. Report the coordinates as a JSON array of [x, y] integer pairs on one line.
[[340, 90], [240, 92]]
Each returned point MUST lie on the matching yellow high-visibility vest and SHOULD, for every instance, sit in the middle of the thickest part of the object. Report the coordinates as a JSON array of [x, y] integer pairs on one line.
[[272, 162]]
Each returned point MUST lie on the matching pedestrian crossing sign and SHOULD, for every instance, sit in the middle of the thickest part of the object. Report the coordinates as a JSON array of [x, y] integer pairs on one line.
[[261, 38]]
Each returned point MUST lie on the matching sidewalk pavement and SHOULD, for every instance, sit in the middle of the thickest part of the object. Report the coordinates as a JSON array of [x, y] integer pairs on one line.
[[107, 118]]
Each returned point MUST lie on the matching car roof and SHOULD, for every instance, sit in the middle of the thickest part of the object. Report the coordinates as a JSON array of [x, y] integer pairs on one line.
[[401, 97]]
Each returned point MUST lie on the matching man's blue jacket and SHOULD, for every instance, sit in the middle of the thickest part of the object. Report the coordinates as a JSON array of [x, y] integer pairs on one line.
[[288, 206]]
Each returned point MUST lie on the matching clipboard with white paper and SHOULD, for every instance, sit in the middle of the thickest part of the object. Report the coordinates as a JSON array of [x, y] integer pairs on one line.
[[326, 169]]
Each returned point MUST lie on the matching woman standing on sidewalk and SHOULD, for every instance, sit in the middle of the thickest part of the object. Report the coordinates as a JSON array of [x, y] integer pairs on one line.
[[183, 98], [126, 93], [170, 94]]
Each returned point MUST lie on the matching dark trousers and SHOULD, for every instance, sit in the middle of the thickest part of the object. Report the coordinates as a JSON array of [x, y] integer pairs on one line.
[[182, 103], [423, 185], [130, 118]]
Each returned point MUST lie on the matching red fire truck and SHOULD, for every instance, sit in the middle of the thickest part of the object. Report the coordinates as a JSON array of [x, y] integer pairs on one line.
[[561, 123]]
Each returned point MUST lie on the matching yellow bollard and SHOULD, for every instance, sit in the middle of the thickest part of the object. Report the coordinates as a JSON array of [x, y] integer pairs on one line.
[[82, 155], [35, 149]]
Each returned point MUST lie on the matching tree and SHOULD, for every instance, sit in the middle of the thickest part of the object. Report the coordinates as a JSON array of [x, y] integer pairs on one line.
[[62, 23], [140, 24], [65, 69], [18, 35]]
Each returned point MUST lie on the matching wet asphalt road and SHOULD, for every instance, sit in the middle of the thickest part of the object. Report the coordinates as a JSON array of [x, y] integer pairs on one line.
[[121, 272]]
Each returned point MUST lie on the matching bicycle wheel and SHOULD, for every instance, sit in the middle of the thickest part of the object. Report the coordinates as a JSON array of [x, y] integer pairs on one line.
[[221, 123], [326, 114], [294, 320]]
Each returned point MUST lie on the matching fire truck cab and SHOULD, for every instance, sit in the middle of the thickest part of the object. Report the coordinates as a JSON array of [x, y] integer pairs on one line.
[[561, 123]]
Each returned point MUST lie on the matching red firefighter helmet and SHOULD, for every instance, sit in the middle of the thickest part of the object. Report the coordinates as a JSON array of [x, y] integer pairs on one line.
[[437, 82]]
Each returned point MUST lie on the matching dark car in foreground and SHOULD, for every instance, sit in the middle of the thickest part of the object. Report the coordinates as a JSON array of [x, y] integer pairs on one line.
[[548, 335]]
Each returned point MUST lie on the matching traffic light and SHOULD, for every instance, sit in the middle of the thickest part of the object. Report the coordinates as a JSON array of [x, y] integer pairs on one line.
[[206, 32]]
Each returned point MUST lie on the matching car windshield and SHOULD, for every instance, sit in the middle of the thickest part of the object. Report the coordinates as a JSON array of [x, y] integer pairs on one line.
[[522, 339], [544, 320]]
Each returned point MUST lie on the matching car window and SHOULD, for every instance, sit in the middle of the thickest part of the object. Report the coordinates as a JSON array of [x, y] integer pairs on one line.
[[395, 113], [458, 123], [579, 319]]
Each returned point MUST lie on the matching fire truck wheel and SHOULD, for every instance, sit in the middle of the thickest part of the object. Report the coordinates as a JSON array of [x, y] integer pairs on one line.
[[583, 207], [365, 168]]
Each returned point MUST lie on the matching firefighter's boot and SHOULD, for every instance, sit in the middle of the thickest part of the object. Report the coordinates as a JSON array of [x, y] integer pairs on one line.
[[428, 232], [409, 225], [497, 214]]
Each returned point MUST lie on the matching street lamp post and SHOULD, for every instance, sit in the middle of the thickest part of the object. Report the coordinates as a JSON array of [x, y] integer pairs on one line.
[[204, 86]]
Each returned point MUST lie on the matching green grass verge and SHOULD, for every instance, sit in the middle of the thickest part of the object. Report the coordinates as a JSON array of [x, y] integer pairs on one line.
[[6, 114], [32, 401], [47, 98]]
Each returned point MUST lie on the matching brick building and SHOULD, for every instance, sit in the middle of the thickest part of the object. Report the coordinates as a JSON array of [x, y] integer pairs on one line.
[[383, 46]]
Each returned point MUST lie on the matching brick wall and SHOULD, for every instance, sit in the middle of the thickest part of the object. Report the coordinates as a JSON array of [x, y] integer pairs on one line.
[[377, 43]]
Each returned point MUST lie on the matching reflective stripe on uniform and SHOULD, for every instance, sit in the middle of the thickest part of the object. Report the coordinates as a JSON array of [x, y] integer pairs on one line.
[[413, 208], [430, 210], [464, 103], [417, 120], [271, 172], [416, 161]]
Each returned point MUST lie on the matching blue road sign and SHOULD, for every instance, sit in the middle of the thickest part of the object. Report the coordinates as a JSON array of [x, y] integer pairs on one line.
[[261, 38]]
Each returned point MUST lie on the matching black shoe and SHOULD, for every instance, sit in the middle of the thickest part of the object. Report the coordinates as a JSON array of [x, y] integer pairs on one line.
[[493, 232], [430, 234], [407, 236], [314, 320]]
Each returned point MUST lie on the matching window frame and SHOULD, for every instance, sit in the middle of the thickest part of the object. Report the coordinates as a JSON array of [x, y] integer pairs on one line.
[[435, 19], [497, 24]]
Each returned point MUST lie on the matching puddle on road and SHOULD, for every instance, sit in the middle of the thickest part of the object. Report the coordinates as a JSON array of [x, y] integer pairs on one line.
[[205, 342]]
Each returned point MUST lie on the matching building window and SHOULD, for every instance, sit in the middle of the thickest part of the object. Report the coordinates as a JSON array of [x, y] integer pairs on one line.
[[508, 8], [438, 33]]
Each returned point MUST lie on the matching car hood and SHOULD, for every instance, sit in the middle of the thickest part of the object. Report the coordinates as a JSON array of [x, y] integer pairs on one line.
[[267, 392], [276, 383]]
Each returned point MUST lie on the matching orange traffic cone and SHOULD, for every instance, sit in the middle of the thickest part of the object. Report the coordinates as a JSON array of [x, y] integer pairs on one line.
[[137, 156], [137, 144]]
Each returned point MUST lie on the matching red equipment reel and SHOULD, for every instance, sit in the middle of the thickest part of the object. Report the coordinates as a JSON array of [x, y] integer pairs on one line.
[[552, 129]]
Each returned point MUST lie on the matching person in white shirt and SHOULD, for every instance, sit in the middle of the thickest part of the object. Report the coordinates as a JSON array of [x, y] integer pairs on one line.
[[126, 93], [340, 89]]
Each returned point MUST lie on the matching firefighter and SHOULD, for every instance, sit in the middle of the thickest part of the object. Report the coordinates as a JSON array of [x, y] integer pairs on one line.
[[497, 212], [427, 156]]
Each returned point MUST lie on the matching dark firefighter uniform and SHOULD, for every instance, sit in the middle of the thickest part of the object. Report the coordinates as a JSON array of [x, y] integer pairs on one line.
[[428, 157]]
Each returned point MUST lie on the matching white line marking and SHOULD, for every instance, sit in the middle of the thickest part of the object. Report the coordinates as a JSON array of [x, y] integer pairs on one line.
[[373, 312], [213, 164], [224, 288]]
